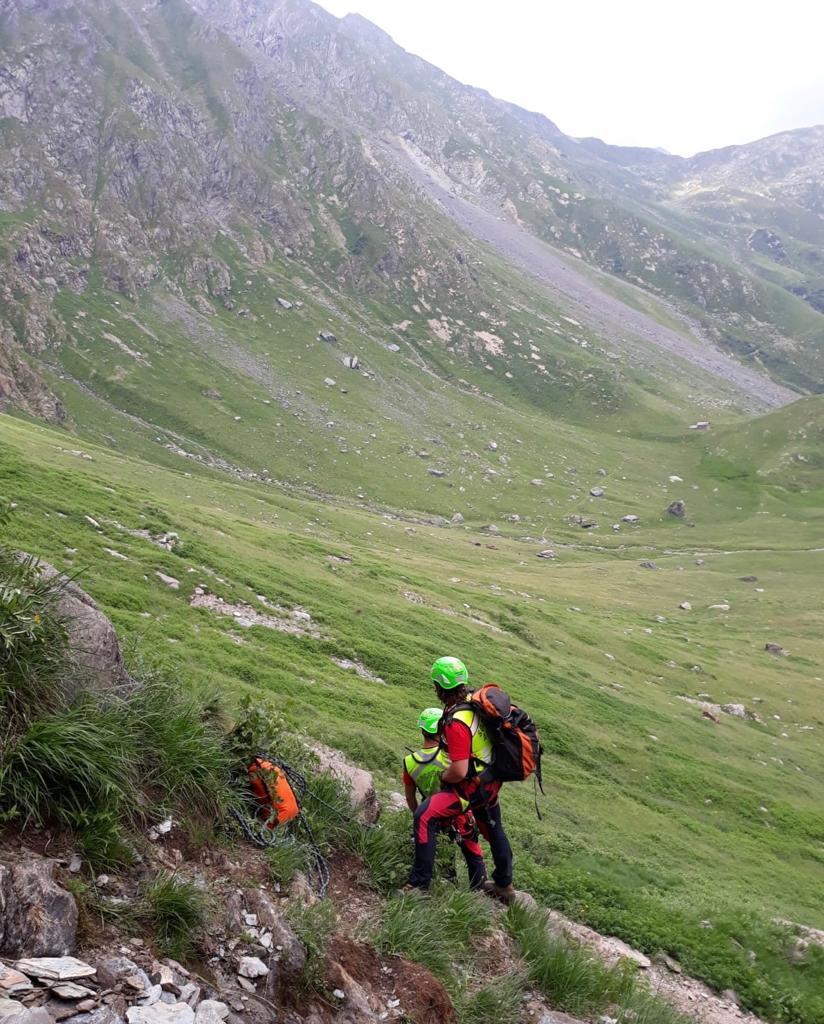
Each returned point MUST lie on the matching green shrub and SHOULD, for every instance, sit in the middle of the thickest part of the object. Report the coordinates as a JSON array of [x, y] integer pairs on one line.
[[177, 911], [260, 728]]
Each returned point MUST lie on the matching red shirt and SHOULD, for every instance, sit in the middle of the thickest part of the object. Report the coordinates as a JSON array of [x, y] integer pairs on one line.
[[458, 740]]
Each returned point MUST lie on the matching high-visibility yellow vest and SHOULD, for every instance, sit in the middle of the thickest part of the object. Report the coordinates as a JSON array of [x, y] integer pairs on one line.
[[481, 743], [424, 767]]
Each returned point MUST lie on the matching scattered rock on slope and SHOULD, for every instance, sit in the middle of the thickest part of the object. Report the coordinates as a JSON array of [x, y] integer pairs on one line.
[[677, 509]]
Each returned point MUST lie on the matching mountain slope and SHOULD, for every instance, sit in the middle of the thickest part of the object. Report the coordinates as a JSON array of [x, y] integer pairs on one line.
[[160, 154]]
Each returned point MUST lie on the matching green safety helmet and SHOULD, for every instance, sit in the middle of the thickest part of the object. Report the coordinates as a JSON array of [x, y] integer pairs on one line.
[[429, 720], [449, 673]]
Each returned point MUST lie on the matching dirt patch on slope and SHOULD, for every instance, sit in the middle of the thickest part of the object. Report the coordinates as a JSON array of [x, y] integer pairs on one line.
[[421, 997]]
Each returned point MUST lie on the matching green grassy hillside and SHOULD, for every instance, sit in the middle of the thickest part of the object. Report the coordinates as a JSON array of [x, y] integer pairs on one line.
[[656, 819]]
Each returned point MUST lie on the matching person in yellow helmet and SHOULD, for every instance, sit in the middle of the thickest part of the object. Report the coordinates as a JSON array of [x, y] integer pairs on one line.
[[422, 770]]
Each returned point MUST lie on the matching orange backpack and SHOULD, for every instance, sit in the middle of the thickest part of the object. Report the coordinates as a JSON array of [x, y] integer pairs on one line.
[[276, 798]]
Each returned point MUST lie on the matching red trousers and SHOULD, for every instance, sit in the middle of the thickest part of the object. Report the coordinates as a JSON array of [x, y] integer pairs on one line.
[[441, 811]]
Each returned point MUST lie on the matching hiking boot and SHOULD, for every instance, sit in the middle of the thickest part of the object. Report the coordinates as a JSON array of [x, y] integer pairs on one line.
[[505, 893], [410, 890]]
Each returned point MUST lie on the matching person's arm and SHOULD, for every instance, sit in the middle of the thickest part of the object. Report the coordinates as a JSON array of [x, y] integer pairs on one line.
[[411, 793], [456, 772], [459, 747], [410, 790]]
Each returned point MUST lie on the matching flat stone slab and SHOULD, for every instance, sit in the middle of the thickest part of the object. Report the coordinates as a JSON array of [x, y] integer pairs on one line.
[[68, 990], [161, 1013], [12, 981], [55, 968]]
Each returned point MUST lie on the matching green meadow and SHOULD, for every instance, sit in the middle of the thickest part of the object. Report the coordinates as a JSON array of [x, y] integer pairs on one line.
[[675, 832]]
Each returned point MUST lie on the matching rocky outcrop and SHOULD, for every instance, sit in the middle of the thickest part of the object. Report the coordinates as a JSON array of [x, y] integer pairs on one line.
[[37, 917], [95, 655], [360, 783]]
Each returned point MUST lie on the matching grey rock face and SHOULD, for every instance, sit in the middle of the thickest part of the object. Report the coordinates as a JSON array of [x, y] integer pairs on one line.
[[95, 651], [37, 917]]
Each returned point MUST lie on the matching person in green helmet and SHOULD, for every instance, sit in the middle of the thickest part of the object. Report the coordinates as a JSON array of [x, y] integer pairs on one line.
[[422, 771], [422, 768], [469, 749]]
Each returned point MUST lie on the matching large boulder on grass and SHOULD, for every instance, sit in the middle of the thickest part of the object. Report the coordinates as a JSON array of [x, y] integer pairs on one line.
[[94, 652], [358, 781], [37, 917]]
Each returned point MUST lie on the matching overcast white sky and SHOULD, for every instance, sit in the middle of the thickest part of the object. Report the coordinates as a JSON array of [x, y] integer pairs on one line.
[[686, 75]]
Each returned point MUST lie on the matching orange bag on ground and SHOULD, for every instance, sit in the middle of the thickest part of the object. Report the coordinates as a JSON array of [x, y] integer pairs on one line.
[[277, 800]]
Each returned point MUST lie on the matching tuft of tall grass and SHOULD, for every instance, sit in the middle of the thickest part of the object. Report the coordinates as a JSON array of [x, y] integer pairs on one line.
[[99, 764], [96, 910], [33, 640], [288, 856], [67, 764], [181, 750], [574, 980], [176, 909], [435, 930], [313, 925], [386, 851], [498, 1002]]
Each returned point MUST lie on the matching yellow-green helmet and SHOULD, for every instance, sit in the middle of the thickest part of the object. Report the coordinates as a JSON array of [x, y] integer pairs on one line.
[[429, 720], [449, 673]]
